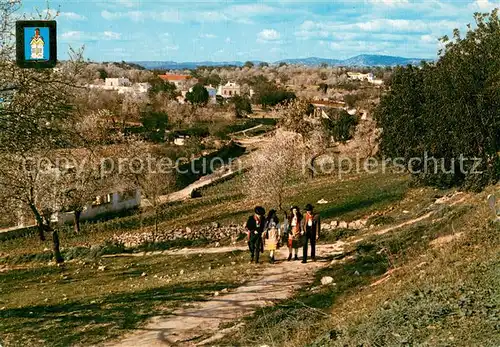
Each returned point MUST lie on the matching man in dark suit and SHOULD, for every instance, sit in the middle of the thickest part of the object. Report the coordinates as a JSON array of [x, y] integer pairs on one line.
[[255, 227], [311, 226]]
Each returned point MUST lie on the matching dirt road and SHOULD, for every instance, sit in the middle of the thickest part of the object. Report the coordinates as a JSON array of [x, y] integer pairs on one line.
[[199, 325]]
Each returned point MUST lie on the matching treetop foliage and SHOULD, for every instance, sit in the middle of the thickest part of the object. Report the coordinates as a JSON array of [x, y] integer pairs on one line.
[[449, 109]]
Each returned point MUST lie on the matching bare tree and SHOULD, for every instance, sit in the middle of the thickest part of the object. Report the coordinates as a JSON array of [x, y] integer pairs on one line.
[[299, 116], [275, 167], [34, 123]]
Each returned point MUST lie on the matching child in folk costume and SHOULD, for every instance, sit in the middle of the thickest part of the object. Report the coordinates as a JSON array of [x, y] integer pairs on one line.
[[272, 234], [294, 232]]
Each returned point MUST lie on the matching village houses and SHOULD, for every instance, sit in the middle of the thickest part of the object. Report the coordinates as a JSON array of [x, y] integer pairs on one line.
[[369, 77], [122, 86]]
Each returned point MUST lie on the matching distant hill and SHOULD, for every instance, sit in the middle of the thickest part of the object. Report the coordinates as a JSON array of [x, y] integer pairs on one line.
[[362, 60], [172, 65]]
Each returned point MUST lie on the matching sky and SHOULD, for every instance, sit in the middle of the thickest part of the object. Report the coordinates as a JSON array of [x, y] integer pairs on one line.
[[229, 30]]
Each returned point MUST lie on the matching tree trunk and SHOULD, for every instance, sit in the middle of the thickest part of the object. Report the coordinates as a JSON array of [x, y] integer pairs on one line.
[[55, 247], [39, 222], [77, 216], [311, 167], [156, 220]]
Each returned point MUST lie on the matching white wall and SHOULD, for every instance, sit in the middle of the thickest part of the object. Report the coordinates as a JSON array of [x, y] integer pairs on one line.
[[91, 211]]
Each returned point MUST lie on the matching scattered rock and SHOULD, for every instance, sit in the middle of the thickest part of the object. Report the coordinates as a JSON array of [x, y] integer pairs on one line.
[[406, 212], [233, 263], [217, 244], [216, 294], [343, 225], [215, 225], [322, 202], [357, 273], [326, 280], [334, 224], [224, 290], [181, 272], [188, 230], [101, 268], [144, 274]]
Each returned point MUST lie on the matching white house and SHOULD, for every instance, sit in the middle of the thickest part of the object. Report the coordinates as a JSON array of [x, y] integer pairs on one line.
[[122, 86], [117, 82], [369, 77], [102, 205], [229, 90]]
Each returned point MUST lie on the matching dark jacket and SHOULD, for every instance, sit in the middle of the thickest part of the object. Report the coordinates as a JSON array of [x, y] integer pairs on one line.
[[252, 224], [316, 224]]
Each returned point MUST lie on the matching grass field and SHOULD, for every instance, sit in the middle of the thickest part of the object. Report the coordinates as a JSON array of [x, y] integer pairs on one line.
[[84, 303]]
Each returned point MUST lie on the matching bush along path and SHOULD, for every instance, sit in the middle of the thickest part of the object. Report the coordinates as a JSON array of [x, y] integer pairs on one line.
[[199, 324]]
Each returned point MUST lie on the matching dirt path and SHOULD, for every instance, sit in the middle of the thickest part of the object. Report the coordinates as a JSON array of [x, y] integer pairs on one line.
[[201, 322]]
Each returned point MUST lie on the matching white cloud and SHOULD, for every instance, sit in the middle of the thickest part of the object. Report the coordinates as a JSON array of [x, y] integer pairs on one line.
[[228, 40], [240, 13], [381, 27], [72, 35], [208, 36], [83, 36], [112, 35], [66, 15], [428, 38], [390, 3], [171, 47], [128, 3], [72, 16], [141, 16], [208, 16], [248, 10], [268, 35], [483, 5]]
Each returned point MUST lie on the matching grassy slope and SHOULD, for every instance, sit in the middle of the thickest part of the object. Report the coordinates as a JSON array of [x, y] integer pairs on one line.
[[435, 296]]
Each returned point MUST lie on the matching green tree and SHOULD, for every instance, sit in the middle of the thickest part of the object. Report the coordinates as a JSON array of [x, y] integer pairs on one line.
[[441, 113], [249, 64], [341, 125], [242, 106], [154, 124], [269, 94], [103, 74], [212, 79], [263, 64], [160, 86], [323, 87], [198, 95]]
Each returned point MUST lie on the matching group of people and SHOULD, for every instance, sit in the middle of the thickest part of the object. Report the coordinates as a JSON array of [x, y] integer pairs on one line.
[[269, 234]]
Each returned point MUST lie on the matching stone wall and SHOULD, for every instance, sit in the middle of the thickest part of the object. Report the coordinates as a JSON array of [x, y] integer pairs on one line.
[[213, 232]]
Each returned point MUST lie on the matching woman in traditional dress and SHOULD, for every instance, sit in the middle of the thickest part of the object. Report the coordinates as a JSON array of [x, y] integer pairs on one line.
[[272, 234], [294, 232]]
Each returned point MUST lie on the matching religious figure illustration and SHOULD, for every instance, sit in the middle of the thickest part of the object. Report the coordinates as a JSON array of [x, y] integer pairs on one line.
[[37, 45]]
